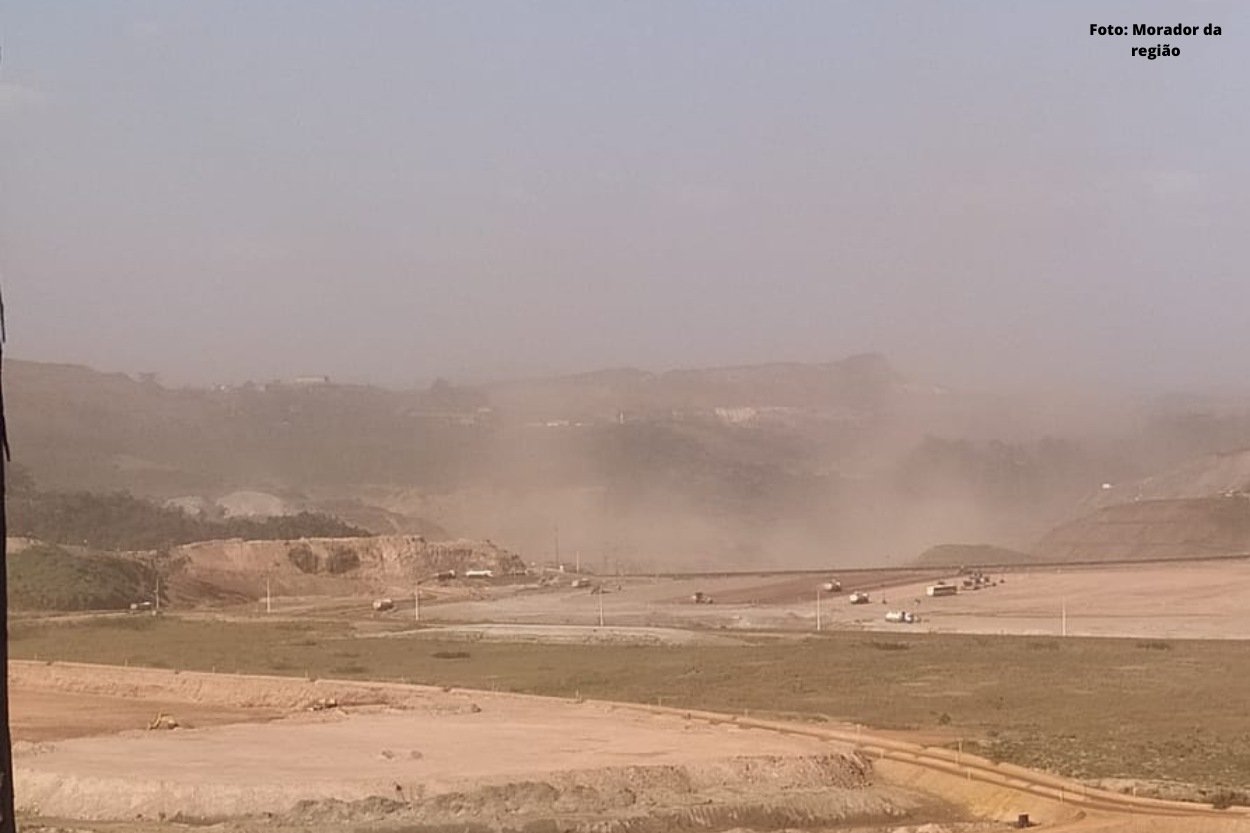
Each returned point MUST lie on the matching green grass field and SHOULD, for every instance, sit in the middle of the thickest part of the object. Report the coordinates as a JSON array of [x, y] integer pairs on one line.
[[1083, 707]]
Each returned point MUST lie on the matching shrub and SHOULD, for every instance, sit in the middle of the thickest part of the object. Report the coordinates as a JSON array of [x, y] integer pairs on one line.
[[450, 655]]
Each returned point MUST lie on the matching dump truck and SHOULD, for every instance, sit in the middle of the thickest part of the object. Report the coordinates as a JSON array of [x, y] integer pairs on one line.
[[383, 604], [859, 598], [831, 586]]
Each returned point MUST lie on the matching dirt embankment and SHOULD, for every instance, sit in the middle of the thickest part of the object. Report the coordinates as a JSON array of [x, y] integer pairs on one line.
[[1153, 529], [238, 570]]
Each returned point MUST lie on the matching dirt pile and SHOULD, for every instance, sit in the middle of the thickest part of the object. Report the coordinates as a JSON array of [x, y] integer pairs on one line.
[[237, 570], [970, 555], [1153, 529], [759, 793]]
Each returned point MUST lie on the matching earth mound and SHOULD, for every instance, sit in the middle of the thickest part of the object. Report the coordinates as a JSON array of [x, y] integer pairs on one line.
[[1153, 529], [971, 555]]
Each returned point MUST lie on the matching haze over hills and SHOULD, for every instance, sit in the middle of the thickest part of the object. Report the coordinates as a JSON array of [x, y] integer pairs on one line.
[[847, 462]]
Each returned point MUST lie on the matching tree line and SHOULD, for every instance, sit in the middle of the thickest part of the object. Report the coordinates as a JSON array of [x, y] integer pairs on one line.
[[121, 521]]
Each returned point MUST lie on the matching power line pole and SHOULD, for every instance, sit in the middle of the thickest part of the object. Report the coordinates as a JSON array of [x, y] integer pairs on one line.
[[416, 602], [817, 608], [7, 822]]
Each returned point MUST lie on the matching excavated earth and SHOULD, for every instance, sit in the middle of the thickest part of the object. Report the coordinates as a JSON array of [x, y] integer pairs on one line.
[[237, 570], [332, 754]]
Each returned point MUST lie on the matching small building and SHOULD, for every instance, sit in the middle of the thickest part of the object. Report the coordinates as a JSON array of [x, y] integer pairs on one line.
[[941, 589]]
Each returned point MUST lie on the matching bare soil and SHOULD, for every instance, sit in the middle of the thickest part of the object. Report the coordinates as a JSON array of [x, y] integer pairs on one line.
[[441, 757]]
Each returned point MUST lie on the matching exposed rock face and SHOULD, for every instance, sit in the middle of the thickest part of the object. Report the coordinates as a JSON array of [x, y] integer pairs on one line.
[[238, 569]]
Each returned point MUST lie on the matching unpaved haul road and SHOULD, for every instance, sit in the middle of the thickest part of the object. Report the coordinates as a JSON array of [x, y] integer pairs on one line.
[[972, 768]]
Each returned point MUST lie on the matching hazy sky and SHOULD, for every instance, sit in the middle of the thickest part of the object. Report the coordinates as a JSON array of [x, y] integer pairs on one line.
[[391, 191]]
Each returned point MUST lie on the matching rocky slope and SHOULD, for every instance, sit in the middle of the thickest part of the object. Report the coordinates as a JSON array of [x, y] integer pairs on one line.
[[1152, 529]]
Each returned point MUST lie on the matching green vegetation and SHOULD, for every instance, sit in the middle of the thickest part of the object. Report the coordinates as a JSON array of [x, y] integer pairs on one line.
[[119, 521], [1083, 707], [46, 577]]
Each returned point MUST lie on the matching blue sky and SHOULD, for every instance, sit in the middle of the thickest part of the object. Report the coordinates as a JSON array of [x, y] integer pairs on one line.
[[392, 191]]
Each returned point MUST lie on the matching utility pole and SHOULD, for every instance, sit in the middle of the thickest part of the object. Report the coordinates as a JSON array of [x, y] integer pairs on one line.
[[600, 594], [578, 568], [157, 607], [8, 824], [818, 608], [268, 597], [416, 602]]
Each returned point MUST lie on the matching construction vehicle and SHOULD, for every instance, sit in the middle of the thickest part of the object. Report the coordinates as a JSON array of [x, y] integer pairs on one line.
[[902, 617], [832, 586], [700, 598], [381, 605], [859, 598]]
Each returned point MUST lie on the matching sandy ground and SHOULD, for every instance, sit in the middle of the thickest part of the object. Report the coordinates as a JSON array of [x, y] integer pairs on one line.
[[441, 743], [44, 715], [1205, 600], [410, 757], [1200, 600]]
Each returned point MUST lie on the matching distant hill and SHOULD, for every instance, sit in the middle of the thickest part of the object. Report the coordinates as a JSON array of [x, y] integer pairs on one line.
[[971, 555], [855, 385], [46, 577], [782, 464], [1150, 529], [693, 460], [1211, 475]]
